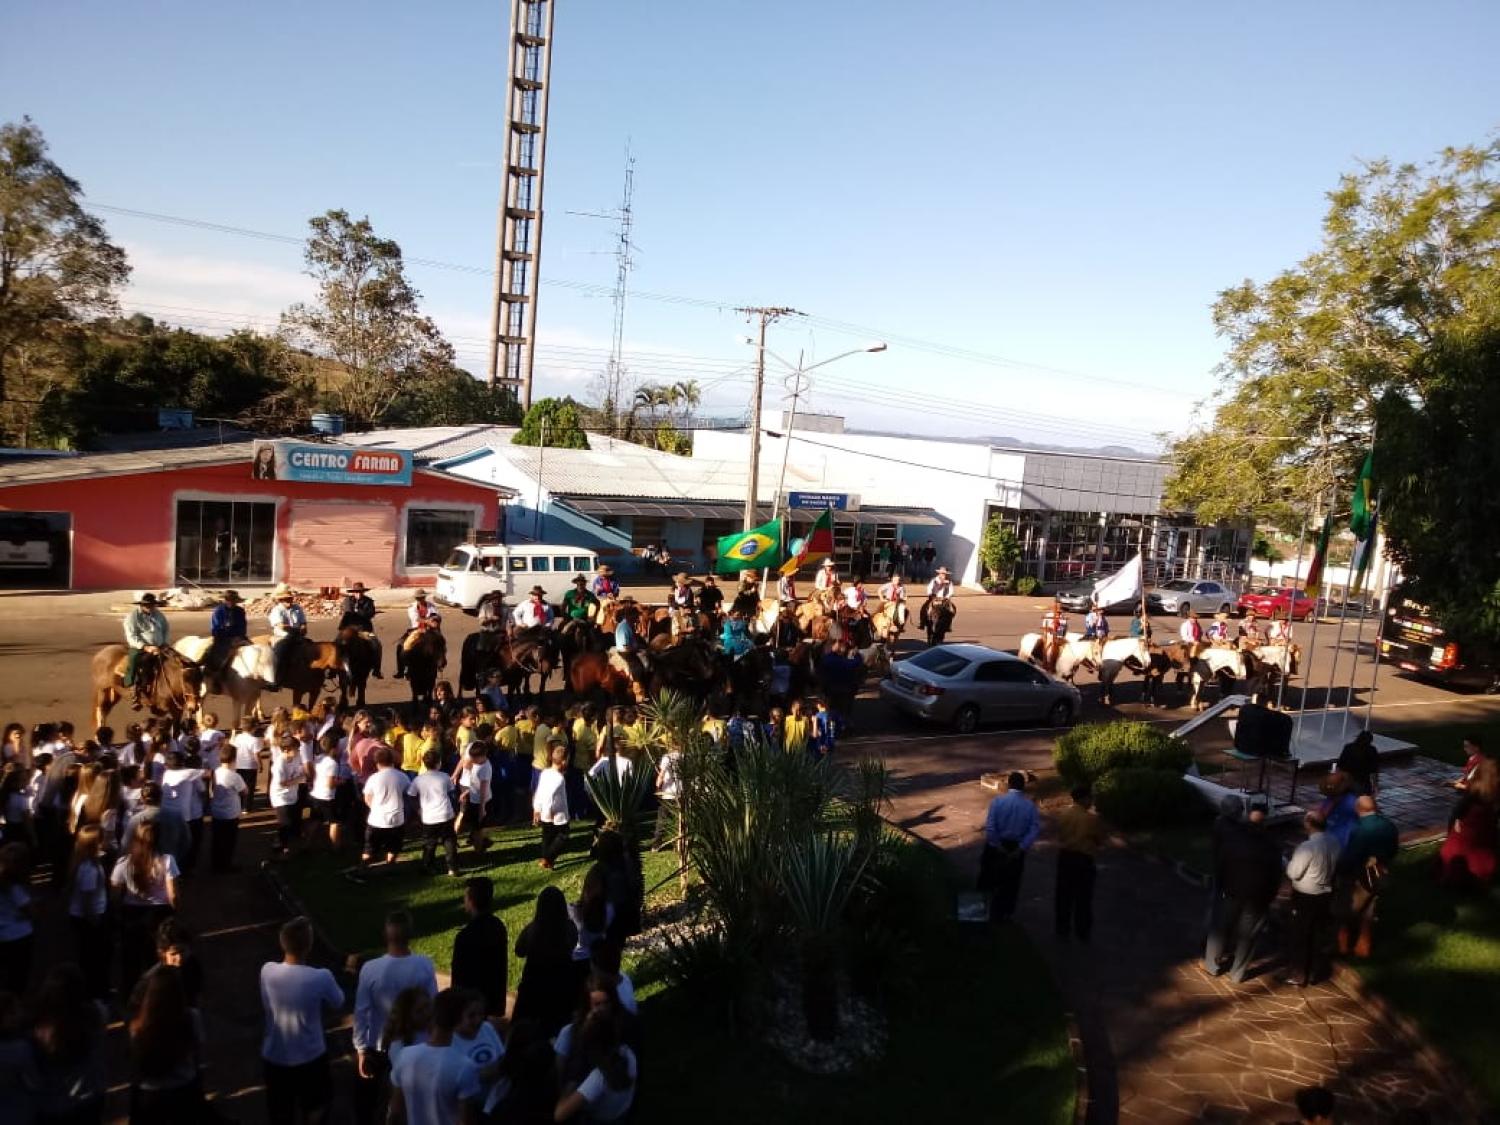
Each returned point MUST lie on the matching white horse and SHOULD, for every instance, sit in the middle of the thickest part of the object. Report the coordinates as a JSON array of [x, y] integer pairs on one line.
[[889, 621], [1129, 652], [1072, 654], [1272, 662], [248, 673], [1215, 663], [877, 660]]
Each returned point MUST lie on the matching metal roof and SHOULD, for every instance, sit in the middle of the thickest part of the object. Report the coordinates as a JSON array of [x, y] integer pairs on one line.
[[435, 443], [687, 510]]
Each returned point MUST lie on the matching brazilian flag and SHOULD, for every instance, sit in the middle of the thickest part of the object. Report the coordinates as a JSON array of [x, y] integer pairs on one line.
[[757, 548]]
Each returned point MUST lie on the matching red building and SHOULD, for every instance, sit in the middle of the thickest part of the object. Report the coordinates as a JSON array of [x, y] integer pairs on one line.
[[252, 513]]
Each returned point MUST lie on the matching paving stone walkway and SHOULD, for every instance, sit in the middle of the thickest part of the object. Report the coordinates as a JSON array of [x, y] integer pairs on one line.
[[1163, 1041]]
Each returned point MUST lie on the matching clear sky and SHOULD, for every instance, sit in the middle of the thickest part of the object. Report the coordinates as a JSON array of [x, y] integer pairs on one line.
[[1060, 188]]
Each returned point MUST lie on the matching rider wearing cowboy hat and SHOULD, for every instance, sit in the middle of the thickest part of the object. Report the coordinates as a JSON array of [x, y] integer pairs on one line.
[[288, 623], [146, 633], [828, 577], [421, 614], [578, 603], [534, 611], [229, 629], [358, 612], [605, 586], [710, 597]]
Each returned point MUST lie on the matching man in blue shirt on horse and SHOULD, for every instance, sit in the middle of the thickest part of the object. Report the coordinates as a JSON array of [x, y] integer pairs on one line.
[[229, 630]]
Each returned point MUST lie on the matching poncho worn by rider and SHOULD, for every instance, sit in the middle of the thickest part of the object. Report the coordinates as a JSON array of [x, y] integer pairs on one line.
[[146, 633], [735, 636], [357, 611], [229, 629]]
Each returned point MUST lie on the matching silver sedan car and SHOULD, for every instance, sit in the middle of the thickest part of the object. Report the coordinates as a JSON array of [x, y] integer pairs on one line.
[[965, 685]]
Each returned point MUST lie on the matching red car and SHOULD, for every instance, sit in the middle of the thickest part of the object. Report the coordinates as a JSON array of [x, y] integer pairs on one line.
[[1267, 602]]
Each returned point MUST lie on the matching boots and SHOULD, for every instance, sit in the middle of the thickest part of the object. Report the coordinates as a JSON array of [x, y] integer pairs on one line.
[[1362, 947]]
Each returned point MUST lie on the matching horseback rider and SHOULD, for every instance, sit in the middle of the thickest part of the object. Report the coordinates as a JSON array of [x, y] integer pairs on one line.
[[1190, 632], [605, 587], [628, 654], [1095, 624], [533, 612], [288, 623], [939, 592], [229, 629], [420, 615], [1249, 634], [1218, 632], [1280, 631], [786, 588], [828, 576], [710, 597], [735, 636], [146, 633], [1054, 632], [682, 604], [893, 592], [578, 604], [358, 612]]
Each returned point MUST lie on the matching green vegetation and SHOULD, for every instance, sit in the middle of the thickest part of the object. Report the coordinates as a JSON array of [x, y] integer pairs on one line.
[[1027, 585], [1437, 959], [1141, 797], [1090, 750], [552, 421], [999, 550], [1445, 741]]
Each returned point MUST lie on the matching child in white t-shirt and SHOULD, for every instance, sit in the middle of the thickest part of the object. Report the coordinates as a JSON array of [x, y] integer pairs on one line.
[[434, 792], [287, 778], [476, 1038], [549, 804], [248, 748], [474, 776], [225, 807], [324, 791]]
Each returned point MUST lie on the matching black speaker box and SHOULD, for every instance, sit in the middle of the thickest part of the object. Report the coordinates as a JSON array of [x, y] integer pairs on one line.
[[1263, 732]]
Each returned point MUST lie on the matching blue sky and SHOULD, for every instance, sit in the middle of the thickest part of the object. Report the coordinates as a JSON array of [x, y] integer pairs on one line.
[[1064, 187]]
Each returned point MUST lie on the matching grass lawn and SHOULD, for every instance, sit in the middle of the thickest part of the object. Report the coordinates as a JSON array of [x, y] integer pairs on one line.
[[982, 1033], [1438, 961], [351, 914], [1444, 741]]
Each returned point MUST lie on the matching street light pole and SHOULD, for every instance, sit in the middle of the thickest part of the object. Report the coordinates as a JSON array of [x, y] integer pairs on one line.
[[767, 316]]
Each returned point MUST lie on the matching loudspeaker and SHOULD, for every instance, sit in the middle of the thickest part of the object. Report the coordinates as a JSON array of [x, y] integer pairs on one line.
[[1263, 732]]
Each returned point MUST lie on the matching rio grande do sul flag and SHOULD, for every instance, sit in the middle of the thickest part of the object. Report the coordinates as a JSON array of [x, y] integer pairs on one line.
[[1314, 577], [758, 547], [817, 546]]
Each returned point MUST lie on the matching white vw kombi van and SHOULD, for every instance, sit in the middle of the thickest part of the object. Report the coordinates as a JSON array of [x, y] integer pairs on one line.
[[474, 570]]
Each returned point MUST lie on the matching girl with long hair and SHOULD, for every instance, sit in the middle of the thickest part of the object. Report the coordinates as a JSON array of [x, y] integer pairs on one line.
[[408, 1024], [13, 746], [102, 808], [591, 914], [88, 909], [88, 773], [608, 1088], [146, 881], [549, 981], [166, 1053]]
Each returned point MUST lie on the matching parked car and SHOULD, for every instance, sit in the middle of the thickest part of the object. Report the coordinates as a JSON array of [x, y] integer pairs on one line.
[[966, 685], [1183, 594], [1272, 600], [474, 570], [1079, 596], [25, 543]]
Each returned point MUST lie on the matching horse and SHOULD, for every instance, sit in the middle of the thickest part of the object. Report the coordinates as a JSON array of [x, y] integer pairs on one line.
[[591, 675], [1072, 653], [1224, 665], [531, 652], [357, 654], [937, 618], [1267, 665], [575, 636], [762, 619], [176, 688], [691, 667], [1127, 652], [749, 679], [242, 679], [889, 622], [308, 668], [480, 654], [424, 659]]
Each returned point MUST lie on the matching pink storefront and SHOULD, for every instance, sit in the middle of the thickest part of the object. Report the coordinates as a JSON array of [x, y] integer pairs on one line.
[[312, 514]]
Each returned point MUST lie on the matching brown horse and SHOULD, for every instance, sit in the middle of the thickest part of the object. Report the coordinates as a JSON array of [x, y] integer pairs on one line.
[[590, 674], [309, 668], [176, 689], [425, 658]]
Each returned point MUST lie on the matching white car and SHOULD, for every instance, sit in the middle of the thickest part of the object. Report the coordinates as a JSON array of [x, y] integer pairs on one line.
[[474, 570], [1183, 594]]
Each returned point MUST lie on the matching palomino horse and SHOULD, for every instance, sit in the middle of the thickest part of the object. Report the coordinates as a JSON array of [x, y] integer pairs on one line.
[[889, 622], [243, 678], [176, 689]]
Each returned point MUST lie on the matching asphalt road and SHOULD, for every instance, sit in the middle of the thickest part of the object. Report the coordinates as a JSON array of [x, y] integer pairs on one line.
[[46, 643]]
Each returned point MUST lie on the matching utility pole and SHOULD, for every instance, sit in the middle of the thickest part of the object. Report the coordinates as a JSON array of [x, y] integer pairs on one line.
[[768, 316], [614, 371]]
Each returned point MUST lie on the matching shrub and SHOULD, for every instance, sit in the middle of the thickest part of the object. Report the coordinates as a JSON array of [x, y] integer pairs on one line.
[[1091, 750], [1027, 585], [1140, 797]]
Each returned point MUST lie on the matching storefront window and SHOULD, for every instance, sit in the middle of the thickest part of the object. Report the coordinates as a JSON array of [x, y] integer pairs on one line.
[[225, 540], [433, 532]]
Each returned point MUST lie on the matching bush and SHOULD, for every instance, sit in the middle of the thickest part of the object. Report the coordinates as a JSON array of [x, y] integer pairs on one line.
[[1027, 585], [1091, 750], [1139, 797]]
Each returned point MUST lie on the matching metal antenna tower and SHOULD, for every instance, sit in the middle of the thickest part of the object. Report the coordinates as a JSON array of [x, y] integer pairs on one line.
[[518, 249], [624, 218]]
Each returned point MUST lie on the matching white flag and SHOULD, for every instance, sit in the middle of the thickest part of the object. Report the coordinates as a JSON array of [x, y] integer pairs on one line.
[[1124, 586]]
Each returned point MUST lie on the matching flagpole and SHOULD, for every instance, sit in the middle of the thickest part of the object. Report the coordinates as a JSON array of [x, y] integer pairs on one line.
[[1385, 601], [1312, 637], [1291, 605], [786, 452], [1338, 643]]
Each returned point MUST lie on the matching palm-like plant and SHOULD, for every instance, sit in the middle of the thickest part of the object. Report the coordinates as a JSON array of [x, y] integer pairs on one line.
[[821, 874]]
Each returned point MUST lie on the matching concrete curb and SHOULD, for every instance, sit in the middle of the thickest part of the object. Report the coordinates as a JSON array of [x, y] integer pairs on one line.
[[1081, 1070]]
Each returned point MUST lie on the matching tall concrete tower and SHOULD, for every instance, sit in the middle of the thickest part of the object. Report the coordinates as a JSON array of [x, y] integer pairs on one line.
[[518, 252]]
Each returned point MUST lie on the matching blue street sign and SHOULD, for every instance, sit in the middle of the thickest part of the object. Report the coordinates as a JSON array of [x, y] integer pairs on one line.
[[838, 501]]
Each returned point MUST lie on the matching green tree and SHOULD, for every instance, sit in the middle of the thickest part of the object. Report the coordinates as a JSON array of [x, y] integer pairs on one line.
[[453, 397], [367, 317], [1408, 254], [999, 549], [57, 268], [554, 422], [1437, 466]]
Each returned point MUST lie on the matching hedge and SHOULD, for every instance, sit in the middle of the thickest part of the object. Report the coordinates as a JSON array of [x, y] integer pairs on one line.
[[1091, 750], [1137, 797]]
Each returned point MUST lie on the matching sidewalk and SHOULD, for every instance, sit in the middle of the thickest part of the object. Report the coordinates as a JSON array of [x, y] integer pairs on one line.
[[1164, 1042]]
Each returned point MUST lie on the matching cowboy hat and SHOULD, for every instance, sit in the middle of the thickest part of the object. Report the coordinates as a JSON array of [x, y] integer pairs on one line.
[[419, 596], [357, 588], [604, 569], [580, 580], [538, 592], [283, 591], [680, 577], [1221, 616], [828, 562], [942, 570], [232, 596], [143, 597]]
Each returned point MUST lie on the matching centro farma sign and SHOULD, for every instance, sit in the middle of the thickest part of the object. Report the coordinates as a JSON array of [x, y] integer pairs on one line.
[[311, 463]]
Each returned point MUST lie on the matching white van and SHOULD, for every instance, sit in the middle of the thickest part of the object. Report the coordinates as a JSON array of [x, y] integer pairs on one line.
[[474, 570]]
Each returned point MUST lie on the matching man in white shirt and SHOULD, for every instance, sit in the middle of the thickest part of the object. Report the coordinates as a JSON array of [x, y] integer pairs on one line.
[[228, 801], [534, 611], [288, 624], [421, 614], [1311, 871], [182, 793], [294, 996], [385, 797], [381, 980], [941, 586], [434, 792], [431, 1084], [828, 577], [1190, 632]]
